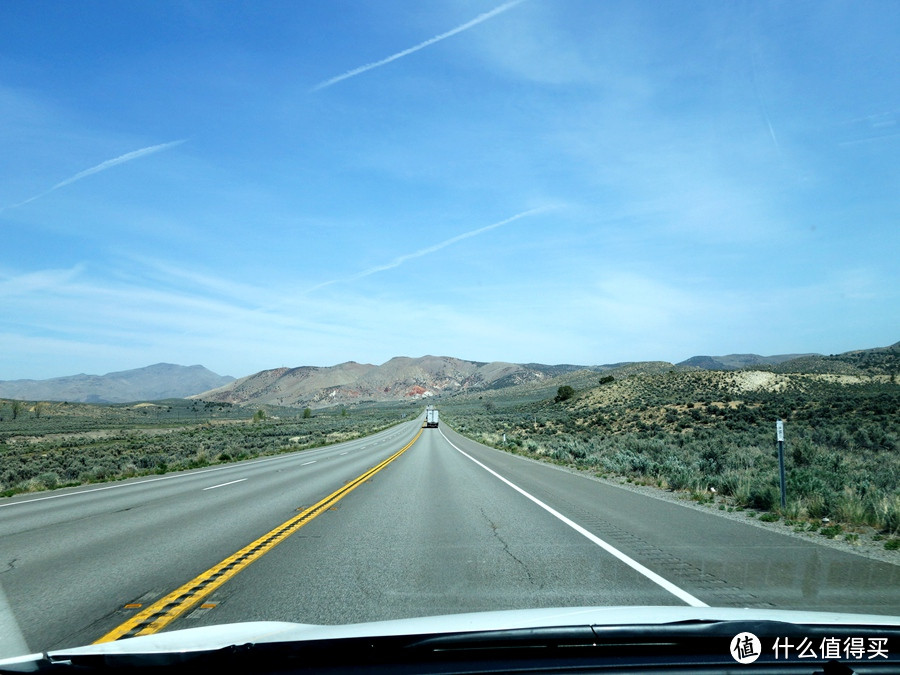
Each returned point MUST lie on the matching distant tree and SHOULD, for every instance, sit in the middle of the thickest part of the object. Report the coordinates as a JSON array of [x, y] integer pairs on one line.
[[307, 413], [16, 408], [608, 379], [38, 408], [564, 393], [259, 415], [344, 412]]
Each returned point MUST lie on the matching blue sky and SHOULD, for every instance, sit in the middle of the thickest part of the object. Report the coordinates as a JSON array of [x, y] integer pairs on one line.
[[248, 185]]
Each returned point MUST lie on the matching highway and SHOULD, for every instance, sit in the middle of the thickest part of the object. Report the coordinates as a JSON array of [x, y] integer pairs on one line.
[[408, 522]]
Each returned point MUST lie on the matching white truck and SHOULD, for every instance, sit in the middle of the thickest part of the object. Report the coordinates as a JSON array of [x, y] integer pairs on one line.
[[431, 418]]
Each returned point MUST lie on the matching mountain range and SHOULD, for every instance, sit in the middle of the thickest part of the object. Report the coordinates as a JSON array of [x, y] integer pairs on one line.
[[400, 378], [430, 376], [159, 381], [738, 361]]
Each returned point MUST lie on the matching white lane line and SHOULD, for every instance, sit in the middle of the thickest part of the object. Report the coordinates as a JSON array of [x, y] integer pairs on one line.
[[342, 454], [306, 463], [225, 467], [213, 487], [609, 548], [123, 485]]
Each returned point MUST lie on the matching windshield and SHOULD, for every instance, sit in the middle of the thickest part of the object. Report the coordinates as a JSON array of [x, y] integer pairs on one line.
[[337, 312]]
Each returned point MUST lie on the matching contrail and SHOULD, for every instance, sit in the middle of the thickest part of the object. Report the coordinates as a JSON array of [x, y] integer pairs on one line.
[[102, 166], [396, 262], [406, 52], [762, 106]]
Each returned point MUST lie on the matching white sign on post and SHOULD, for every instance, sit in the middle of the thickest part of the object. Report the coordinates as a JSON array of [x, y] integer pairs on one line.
[[779, 431]]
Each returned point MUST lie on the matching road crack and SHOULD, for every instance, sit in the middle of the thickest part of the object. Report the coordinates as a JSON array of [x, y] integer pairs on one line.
[[10, 566], [495, 530]]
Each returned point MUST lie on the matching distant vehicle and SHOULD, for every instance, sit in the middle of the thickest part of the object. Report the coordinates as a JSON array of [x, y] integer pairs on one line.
[[431, 418]]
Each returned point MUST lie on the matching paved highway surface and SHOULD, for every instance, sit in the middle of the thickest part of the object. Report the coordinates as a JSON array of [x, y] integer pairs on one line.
[[447, 526]]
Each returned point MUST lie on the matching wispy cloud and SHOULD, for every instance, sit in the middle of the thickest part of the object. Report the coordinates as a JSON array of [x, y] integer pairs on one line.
[[406, 52], [396, 262], [102, 166], [38, 281]]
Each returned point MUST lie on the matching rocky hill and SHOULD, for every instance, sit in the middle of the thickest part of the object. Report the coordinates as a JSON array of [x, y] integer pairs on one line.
[[878, 361], [404, 378], [398, 379], [738, 361], [159, 381]]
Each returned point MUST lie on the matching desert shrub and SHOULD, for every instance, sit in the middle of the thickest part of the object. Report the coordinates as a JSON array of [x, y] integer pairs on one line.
[[628, 462], [48, 480], [729, 483], [564, 393], [764, 497], [561, 455], [678, 474], [803, 482], [712, 461], [886, 510], [849, 507], [795, 510], [816, 505], [681, 479]]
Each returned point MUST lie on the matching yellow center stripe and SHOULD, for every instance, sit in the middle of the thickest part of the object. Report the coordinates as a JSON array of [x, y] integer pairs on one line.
[[164, 611]]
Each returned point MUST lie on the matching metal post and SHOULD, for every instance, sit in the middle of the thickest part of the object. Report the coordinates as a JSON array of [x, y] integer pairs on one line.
[[779, 433]]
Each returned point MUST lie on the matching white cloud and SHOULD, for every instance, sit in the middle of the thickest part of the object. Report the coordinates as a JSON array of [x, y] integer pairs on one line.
[[41, 280], [59, 322]]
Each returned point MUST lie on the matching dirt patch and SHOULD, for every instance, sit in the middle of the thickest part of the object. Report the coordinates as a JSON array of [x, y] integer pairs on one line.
[[754, 380]]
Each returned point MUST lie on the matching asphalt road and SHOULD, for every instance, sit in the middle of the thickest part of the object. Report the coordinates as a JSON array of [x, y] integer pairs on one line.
[[71, 559], [448, 526]]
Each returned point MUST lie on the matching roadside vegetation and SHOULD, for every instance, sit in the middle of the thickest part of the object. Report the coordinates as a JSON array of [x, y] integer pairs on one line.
[[711, 435], [46, 445]]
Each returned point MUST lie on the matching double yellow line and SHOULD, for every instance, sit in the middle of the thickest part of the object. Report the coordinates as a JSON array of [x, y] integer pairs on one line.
[[164, 611]]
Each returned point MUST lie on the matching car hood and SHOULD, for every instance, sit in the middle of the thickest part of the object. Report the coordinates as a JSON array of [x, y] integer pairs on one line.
[[209, 638]]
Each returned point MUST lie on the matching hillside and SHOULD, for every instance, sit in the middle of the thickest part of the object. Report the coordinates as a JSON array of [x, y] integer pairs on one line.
[[404, 378], [738, 361], [878, 361], [711, 434], [708, 432], [401, 378], [159, 381]]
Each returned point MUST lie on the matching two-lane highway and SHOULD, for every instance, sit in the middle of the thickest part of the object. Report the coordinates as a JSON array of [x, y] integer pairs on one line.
[[71, 559], [447, 526], [454, 526]]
